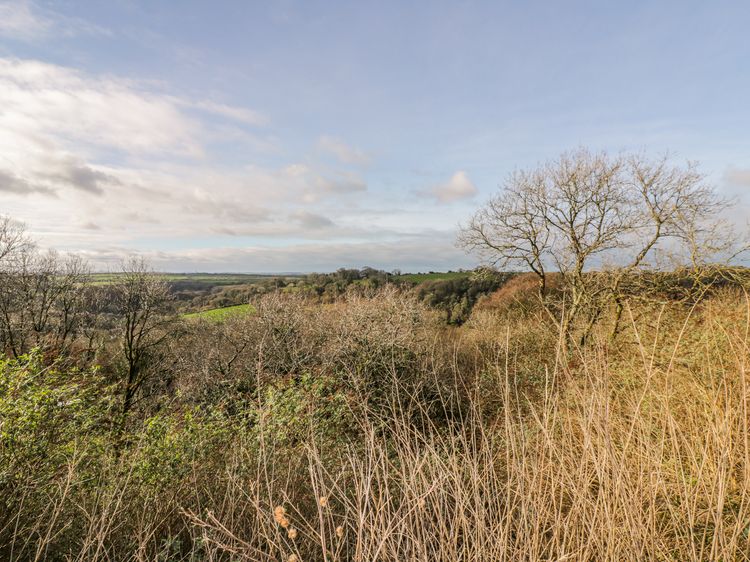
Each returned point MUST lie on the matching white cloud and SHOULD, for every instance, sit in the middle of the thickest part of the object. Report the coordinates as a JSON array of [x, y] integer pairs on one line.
[[27, 21], [11, 183], [430, 251], [108, 166], [459, 186], [57, 125], [314, 221], [57, 128], [241, 114], [345, 153], [43, 101], [738, 177], [313, 185], [18, 20], [341, 182]]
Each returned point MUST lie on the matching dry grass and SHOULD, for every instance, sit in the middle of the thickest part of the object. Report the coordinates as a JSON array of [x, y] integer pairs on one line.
[[642, 454], [634, 452]]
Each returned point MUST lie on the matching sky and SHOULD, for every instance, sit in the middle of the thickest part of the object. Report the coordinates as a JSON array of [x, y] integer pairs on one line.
[[284, 136]]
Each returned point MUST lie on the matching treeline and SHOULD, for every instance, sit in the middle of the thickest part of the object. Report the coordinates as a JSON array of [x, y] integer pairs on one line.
[[456, 297], [46, 301], [453, 295], [202, 295]]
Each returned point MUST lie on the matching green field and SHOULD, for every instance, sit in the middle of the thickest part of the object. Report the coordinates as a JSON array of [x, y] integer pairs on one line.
[[221, 314]]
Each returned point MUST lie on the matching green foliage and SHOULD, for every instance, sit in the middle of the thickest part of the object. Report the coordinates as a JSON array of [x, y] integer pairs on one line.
[[44, 414], [54, 429], [171, 444], [456, 295], [299, 407], [329, 286]]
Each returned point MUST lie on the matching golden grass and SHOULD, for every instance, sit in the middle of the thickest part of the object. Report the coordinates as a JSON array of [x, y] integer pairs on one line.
[[642, 453]]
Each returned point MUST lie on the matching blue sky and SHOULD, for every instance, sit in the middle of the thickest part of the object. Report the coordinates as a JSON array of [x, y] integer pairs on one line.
[[305, 136]]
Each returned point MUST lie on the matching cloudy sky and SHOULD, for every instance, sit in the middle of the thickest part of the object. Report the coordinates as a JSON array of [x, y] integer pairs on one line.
[[304, 136]]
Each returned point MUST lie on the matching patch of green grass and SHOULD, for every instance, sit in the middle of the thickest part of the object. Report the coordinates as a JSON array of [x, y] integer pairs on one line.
[[422, 277], [221, 314]]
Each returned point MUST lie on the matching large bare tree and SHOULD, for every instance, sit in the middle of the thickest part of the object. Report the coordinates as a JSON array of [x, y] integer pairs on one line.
[[590, 212]]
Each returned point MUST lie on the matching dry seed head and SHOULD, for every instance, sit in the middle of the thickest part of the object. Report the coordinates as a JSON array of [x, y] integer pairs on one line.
[[323, 501], [292, 558], [279, 514], [292, 533], [339, 531]]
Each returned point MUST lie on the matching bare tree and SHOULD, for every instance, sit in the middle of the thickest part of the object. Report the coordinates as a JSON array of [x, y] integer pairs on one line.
[[72, 305], [14, 244], [13, 241], [589, 212], [140, 297], [40, 302]]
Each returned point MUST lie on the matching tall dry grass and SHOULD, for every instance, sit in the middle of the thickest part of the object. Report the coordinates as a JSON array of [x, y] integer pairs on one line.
[[639, 451]]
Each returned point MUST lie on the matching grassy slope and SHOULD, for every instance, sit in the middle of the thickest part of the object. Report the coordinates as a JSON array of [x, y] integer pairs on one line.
[[221, 314]]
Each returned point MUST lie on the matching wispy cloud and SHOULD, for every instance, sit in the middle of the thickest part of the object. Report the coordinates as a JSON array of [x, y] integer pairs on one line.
[[128, 159], [69, 173], [27, 21], [308, 220], [459, 186], [738, 177], [430, 251], [241, 114], [19, 20], [342, 151], [58, 124], [45, 101], [11, 183], [340, 183]]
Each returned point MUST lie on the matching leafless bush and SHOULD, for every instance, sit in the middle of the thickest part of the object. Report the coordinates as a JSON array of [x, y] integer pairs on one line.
[[367, 340]]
